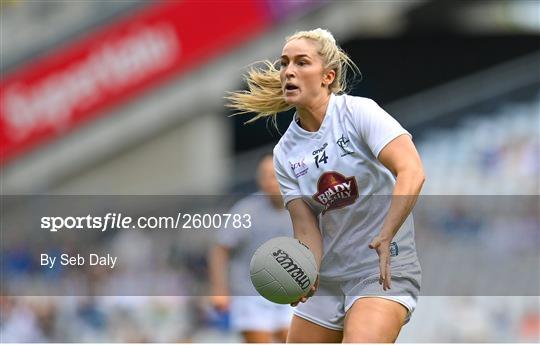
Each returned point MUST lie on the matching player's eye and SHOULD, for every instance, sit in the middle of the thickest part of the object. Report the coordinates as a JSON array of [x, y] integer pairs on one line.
[[283, 63], [302, 63]]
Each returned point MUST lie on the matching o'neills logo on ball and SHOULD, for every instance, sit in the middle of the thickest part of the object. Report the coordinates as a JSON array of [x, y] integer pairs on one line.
[[292, 268], [335, 191]]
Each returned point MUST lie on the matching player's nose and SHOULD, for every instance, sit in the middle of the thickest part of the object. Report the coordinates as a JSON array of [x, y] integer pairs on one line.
[[289, 71]]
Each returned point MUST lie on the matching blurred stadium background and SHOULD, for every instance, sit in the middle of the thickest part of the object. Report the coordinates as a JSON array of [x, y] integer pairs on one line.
[[126, 98]]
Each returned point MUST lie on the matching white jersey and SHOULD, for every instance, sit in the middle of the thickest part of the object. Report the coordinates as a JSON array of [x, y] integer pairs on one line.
[[336, 172]]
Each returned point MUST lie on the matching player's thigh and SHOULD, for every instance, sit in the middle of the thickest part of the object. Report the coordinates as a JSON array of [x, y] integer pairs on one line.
[[257, 336], [374, 320], [280, 336], [304, 331]]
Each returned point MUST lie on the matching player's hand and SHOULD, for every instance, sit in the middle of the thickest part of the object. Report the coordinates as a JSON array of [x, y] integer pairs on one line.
[[310, 293], [220, 303], [382, 246]]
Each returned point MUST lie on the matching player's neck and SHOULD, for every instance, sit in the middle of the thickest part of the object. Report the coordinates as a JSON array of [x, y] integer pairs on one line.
[[312, 116]]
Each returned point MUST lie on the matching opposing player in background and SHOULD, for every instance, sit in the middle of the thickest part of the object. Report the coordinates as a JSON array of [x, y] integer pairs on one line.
[[259, 320], [350, 176]]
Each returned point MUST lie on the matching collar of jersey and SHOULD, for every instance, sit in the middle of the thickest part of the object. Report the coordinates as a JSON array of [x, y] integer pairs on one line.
[[318, 134]]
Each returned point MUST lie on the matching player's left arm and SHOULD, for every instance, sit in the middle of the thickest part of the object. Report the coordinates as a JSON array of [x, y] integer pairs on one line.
[[401, 158]]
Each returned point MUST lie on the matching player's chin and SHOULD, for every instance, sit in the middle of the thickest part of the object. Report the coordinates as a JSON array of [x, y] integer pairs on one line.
[[292, 100]]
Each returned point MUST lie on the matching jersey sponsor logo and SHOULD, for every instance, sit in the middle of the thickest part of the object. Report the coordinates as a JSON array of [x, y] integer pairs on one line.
[[299, 168], [335, 191], [294, 270], [320, 156], [343, 144], [319, 150]]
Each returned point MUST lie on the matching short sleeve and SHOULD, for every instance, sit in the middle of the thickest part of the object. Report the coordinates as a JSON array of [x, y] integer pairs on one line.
[[375, 126], [287, 183]]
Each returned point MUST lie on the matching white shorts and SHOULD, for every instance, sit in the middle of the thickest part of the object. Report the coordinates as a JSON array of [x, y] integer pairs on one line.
[[254, 313], [332, 300]]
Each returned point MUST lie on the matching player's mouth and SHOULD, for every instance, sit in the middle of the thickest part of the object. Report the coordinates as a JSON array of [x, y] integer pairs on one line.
[[290, 89]]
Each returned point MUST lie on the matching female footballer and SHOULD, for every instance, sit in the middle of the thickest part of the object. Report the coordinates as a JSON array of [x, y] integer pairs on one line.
[[350, 176]]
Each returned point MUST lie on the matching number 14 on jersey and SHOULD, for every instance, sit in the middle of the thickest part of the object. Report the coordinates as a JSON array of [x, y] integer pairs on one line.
[[320, 158]]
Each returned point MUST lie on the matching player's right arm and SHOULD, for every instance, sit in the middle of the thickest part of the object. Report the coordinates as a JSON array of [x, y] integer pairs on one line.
[[218, 266], [304, 221], [306, 229]]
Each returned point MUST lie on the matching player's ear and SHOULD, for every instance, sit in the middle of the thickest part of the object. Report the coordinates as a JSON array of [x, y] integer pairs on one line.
[[328, 77]]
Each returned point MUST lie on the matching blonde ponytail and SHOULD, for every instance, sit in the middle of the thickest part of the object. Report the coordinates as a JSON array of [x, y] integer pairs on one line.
[[265, 94], [264, 97]]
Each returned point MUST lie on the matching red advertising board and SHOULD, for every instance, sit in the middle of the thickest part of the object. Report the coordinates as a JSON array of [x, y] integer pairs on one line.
[[58, 92]]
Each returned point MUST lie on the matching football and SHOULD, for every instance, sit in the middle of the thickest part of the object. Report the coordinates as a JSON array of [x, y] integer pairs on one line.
[[283, 269]]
